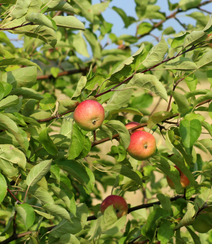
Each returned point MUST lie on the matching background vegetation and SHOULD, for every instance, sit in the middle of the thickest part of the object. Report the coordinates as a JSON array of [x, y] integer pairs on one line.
[[52, 173]]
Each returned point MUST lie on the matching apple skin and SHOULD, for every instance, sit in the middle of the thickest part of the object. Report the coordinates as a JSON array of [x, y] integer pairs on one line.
[[89, 115], [142, 145], [201, 224], [118, 202], [184, 181], [131, 125]]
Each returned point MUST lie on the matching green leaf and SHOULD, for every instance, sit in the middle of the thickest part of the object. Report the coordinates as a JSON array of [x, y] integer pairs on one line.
[[92, 40], [52, 3], [17, 61], [77, 170], [75, 226], [80, 45], [11, 126], [205, 60], [122, 131], [26, 93], [156, 54], [69, 239], [194, 236], [7, 88], [194, 37], [62, 6], [128, 172], [3, 184], [165, 232], [47, 142], [69, 22], [98, 8], [188, 217], [9, 101], [150, 228], [20, 8], [190, 132], [38, 172], [152, 12], [41, 194], [1, 90], [165, 202], [23, 77], [44, 33], [150, 83], [207, 96], [76, 143], [40, 19], [62, 195], [26, 212], [144, 28], [191, 82], [126, 19], [207, 143], [187, 4], [157, 118], [181, 63], [10, 154], [80, 86], [86, 9], [43, 214], [119, 98], [182, 102], [116, 227], [57, 210]]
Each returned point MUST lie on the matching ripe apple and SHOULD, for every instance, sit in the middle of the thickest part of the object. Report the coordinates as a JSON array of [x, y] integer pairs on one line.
[[183, 179], [131, 125], [202, 223], [142, 145], [118, 202], [89, 115]]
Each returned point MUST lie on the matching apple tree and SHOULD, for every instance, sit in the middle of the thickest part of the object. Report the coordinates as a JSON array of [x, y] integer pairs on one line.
[[56, 169]]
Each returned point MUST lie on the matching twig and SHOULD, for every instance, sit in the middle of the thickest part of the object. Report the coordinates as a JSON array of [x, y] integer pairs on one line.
[[15, 27], [146, 70], [13, 195], [69, 72]]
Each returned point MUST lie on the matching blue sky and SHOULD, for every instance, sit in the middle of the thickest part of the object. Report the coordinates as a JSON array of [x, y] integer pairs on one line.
[[129, 7]]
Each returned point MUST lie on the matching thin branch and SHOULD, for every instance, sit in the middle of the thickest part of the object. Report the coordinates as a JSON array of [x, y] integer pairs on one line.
[[183, 25], [13, 195], [15, 27], [204, 10], [69, 72], [57, 116], [170, 17], [146, 70]]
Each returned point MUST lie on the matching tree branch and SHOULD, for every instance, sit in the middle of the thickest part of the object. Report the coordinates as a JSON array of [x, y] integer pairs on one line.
[[93, 217], [69, 72], [15, 27], [146, 70]]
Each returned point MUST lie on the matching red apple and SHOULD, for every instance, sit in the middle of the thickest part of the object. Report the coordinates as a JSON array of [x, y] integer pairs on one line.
[[183, 179], [89, 115], [142, 145], [131, 125], [118, 202]]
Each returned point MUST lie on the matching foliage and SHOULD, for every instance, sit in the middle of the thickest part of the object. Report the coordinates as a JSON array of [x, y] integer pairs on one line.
[[52, 172]]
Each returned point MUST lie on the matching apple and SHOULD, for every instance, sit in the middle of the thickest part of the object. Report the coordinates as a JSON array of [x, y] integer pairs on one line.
[[89, 115], [118, 202], [202, 223], [142, 145], [131, 125], [183, 179]]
